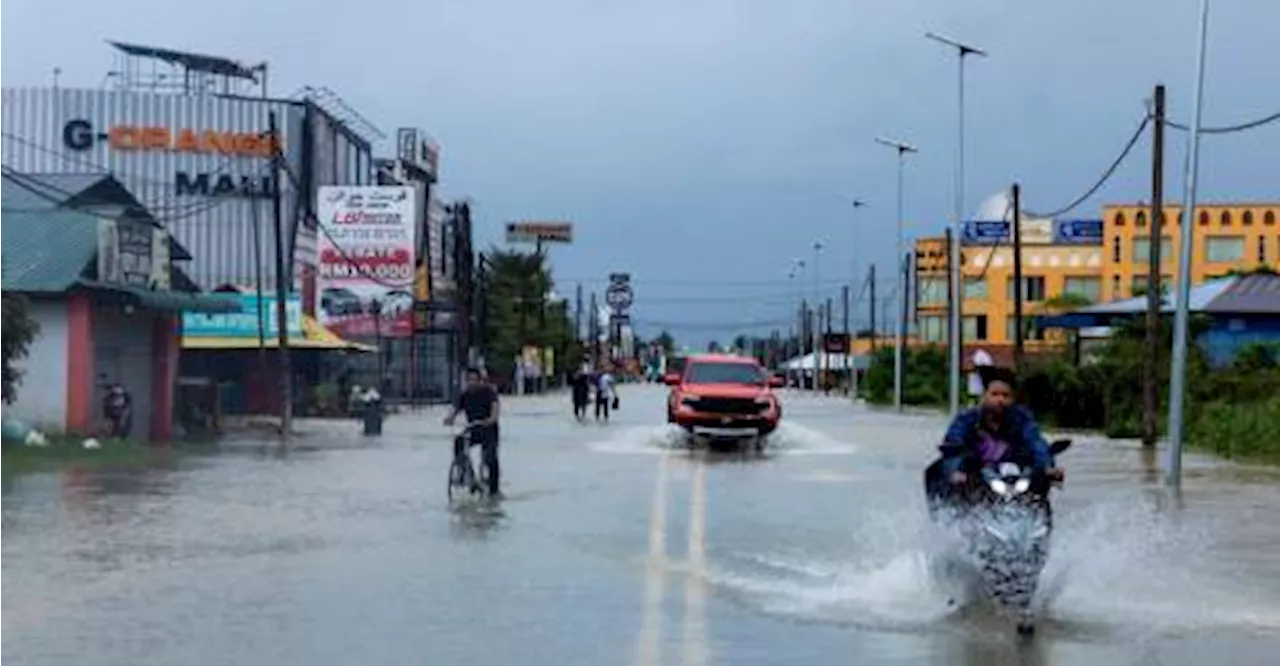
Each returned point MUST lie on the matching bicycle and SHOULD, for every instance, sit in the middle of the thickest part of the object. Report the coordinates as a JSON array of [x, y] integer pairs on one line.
[[463, 479]]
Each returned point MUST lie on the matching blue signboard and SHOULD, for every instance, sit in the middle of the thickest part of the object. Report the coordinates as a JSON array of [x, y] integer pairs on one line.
[[985, 232], [244, 324], [1077, 232]]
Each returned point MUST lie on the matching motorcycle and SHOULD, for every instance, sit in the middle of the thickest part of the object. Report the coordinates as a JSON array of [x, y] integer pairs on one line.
[[1005, 520]]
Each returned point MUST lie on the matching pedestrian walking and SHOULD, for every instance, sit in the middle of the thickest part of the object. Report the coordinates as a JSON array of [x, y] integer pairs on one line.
[[581, 387], [604, 394]]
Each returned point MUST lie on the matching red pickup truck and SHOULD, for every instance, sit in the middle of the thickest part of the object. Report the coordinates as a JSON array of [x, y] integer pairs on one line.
[[724, 399]]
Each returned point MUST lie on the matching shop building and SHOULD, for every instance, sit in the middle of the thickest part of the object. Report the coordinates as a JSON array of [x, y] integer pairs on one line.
[[99, 276]]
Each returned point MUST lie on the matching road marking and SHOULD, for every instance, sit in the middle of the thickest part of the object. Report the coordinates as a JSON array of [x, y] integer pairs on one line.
[[649, 646], [695, 580]]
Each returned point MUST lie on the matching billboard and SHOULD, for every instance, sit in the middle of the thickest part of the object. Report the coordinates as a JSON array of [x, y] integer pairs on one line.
[[539, 232], [244, 324], [366, 260]]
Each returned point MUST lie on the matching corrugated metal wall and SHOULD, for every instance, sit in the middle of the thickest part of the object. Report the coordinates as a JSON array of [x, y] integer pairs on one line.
[[219, 231]]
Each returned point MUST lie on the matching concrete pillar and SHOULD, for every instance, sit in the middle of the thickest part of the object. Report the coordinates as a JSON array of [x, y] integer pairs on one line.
[[80, 364]]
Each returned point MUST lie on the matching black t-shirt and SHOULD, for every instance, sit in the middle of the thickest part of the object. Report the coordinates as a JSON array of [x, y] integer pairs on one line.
[[478, 403]]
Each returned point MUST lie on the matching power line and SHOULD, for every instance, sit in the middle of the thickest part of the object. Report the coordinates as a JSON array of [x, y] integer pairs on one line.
[[1106, 175], [1228, 129]]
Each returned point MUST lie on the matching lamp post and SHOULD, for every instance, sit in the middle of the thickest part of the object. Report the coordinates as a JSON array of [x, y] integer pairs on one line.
[[1178, 371], [817, 328], [954, 317], [900, 291]]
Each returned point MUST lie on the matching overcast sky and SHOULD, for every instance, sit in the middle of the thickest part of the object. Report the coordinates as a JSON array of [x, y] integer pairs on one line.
[[704, 145]]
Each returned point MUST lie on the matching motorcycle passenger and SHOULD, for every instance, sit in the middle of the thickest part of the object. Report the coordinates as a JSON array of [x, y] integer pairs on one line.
[[996, 431], [480, 404]]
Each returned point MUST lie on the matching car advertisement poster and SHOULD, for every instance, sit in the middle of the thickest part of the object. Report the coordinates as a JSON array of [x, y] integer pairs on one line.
[[366, 260]]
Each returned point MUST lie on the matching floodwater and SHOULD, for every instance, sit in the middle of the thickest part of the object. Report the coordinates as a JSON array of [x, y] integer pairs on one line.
[[615, 546]]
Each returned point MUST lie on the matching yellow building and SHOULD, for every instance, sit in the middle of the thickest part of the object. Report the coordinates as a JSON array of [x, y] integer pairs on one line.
[[1096, 267], [1227, 237]]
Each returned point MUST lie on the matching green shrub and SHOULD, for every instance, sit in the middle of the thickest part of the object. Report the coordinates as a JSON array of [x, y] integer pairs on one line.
[[1246, 431]]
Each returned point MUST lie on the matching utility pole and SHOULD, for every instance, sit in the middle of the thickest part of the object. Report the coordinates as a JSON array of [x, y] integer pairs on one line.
[[282, 288], [875, 332], [1017, 278], [1150, 397], [848, 338], [577, 316], [901, 357], [593, 332], [948, 239]]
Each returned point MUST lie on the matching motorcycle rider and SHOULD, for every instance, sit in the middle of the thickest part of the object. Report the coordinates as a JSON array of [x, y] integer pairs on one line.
[[996, 431]]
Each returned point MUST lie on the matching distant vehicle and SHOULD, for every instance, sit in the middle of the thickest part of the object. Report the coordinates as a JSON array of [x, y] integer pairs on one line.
[[724, 400], [339, 302]]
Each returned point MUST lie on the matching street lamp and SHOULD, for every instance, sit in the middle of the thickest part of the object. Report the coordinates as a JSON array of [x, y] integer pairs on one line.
[[954, 267], [1178, 372], [900, 295]]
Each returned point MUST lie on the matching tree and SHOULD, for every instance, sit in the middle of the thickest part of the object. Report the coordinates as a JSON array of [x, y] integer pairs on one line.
[[665, 341], [518, 313], [19, 331]]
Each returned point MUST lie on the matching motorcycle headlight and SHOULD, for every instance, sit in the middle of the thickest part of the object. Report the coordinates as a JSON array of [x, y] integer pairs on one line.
[[999, 487], [1021, 485]]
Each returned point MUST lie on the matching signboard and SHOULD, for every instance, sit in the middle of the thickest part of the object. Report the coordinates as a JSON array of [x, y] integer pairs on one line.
[[366, 261], [1077, 232], [835, 343], [619, 296], [1035, 231], [244, 324], [80, 135], [417, 149], [539, 232], [125, 252]]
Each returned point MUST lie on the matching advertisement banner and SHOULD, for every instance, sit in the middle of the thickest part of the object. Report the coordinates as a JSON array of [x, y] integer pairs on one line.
[[539, 232], [366, 260], [244, 324]]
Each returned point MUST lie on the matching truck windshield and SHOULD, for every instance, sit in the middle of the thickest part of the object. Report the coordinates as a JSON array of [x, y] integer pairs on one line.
[[724, 373]]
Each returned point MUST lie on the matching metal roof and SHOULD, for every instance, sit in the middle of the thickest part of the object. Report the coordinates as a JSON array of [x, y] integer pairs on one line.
[[192, 61], [1256, 293], [46, 251], [31, 192]]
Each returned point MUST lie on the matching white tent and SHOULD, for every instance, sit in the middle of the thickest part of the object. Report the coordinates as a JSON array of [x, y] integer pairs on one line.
[[828, 362]]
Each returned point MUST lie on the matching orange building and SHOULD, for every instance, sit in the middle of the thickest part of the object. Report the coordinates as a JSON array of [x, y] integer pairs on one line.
[[1227, 237]]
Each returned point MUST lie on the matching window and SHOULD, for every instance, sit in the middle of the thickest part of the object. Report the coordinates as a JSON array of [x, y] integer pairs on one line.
[[1225, 220], [933, 290], [1033, 289], [1219, 249], [1140, 220], [1142, 249], [975, 327], [975, 288], [724, 373], [1029, 332], [1262, 249], [1204, 218], [1269, 218], [1247, 220], [933, 328], [1119, 219], [1115, 287], [1087, 286], [1115, 250]]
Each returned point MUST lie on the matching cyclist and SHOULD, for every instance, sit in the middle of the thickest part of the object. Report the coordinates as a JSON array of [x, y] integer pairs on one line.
[[479, 401]]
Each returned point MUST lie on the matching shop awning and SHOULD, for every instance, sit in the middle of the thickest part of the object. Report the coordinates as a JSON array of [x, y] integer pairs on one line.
[[314, 336]]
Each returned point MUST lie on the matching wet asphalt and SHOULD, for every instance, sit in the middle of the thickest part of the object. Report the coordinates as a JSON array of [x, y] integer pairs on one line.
[[615, 545]]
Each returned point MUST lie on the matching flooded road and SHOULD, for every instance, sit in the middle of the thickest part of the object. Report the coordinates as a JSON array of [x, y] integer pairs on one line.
[[617, 547]]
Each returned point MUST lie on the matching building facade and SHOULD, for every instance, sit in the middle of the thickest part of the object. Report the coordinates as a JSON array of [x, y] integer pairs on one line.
[[200, 163], [1227, 237], [1070, 263]]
